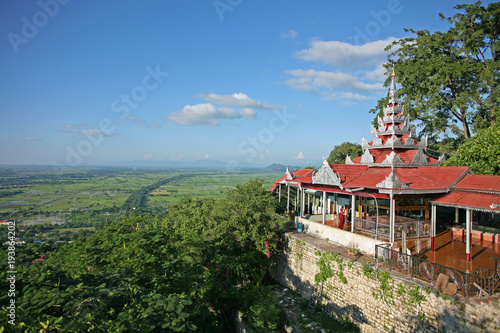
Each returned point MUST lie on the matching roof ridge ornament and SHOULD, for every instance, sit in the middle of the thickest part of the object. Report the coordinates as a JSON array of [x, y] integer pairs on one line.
[[392, 159], [289, 175], [367, 158], [348, 159], [392, 182], [419, 157]]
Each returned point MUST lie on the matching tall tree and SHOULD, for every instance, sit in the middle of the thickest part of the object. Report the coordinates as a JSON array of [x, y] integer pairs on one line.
[[446, 77], [481, 153], [339, 152]]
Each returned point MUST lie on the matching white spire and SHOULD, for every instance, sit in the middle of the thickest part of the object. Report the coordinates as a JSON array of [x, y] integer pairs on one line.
[[392, 93]]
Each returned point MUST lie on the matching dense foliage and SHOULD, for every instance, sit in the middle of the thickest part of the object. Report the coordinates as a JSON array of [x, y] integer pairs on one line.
[[449, 80], [481, 153], [192, 271], [339, 152]]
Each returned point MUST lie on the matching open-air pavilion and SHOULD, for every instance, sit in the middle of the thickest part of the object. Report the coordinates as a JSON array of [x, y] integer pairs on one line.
[[398, 198]]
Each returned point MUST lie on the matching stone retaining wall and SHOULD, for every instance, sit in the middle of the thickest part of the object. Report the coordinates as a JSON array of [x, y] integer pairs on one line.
[[373, 299]]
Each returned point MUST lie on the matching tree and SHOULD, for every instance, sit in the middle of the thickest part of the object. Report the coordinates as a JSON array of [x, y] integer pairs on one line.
[[446, 77], [339, 152], [481, 153]]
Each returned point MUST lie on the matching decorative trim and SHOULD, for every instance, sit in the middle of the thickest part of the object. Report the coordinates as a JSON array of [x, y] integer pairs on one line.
[[392, 159], [413, 131], [392, 182], [364, 143], [326, 176], [423, 143], [419, 158], [374, 131], [393, 141], [348, 160], [409, 141], [289, 175], [441, 159], [367, 158]]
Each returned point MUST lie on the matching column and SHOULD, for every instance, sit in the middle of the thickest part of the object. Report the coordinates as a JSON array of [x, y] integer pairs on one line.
[[303, 204], [468, 225], [392, 220], [308, 203], [288, 200], [279, 193], [353, 212], [457, 215], [324, 207], [433, 228]]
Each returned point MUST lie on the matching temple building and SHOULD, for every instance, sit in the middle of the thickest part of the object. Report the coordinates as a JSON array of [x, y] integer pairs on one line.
[[393, 193]]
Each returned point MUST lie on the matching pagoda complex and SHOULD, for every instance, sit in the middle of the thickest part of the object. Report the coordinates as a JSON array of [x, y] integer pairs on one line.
[[391, 193]]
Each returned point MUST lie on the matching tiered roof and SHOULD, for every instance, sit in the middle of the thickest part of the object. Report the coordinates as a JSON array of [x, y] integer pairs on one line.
[[393, 140]]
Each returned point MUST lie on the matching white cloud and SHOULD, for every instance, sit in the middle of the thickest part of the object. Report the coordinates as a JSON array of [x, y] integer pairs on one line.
[[290, 34], [346, 55], [238, 100], [89, 132], [311, 80], [300, 156], [206, 114]]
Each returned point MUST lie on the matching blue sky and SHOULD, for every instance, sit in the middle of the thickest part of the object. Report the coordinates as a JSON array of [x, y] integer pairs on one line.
[[240, 81]]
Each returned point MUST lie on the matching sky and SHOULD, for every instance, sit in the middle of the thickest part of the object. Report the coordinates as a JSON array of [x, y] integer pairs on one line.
[[238, 81]]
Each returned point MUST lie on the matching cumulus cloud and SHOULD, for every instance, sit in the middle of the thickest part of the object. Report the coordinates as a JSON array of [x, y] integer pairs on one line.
[[357, 70], [341, 54], [290, 34], [237, 100], [311, 80], [89, 132], [207, 114], [300, 156]]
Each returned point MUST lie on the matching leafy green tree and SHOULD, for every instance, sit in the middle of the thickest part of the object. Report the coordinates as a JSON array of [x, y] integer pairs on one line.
[[481, 153], [191, 272], [449, 80], [339, 152]]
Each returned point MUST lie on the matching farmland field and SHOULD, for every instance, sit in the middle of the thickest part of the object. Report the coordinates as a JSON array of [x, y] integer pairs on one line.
[[41, 195]]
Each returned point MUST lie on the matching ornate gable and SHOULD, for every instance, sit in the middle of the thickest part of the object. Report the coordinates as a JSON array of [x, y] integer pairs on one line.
[[348, 160], [392, 159], [326, 176]]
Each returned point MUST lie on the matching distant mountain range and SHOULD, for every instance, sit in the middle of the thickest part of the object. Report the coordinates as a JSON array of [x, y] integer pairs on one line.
[[205, 163]]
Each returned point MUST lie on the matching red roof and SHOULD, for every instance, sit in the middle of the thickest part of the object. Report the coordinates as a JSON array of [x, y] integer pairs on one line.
[[348, 172], [420, 178], [466, 199], [299, 176], [487, 183], [406, 156]]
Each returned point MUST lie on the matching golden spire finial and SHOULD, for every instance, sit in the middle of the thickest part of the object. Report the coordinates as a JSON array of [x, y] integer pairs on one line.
[[393, 75]]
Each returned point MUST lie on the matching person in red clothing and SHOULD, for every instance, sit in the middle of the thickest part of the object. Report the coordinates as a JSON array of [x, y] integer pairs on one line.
[[341, 218]]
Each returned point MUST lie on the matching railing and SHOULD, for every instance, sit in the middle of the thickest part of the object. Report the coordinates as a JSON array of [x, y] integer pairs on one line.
[[381, 229], [429, 271]]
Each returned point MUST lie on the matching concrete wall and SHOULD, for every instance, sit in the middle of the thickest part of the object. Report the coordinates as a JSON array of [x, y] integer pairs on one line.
[[365, 302], [338, 236]]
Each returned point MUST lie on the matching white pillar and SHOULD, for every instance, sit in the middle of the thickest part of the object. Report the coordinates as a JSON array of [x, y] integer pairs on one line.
[[457, 215], [353, 212], [279, 192], [392, 219], [324, 207], [433, 228], [309, 203], [468, 229], [303, 204], [288, 200]]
